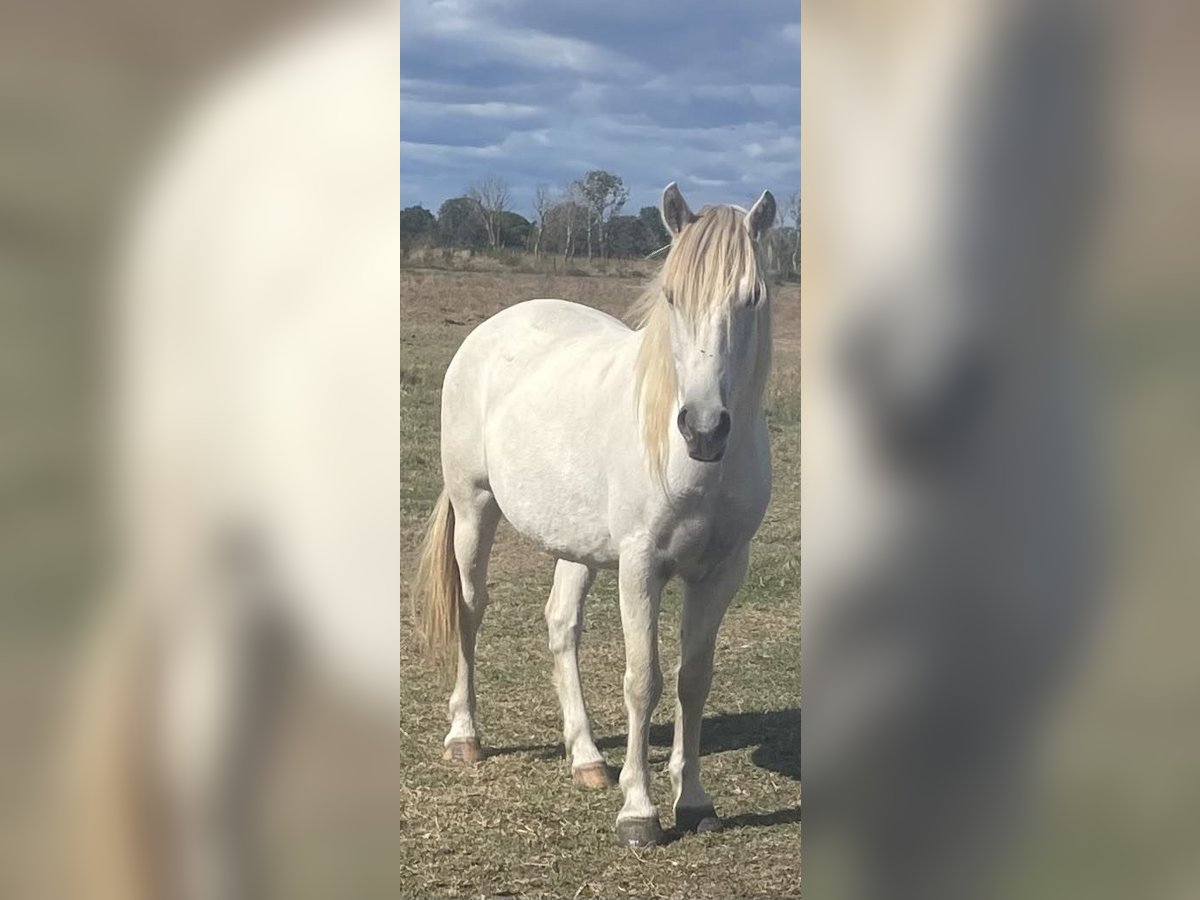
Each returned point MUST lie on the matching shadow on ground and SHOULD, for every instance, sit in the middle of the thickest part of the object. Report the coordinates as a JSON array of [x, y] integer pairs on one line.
[[775, 735]]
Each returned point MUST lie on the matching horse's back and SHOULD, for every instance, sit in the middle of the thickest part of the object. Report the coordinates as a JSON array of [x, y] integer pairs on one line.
[[525, 331], [519, 345]]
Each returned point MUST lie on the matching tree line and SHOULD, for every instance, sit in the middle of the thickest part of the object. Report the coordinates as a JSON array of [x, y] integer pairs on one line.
[[583, 219]]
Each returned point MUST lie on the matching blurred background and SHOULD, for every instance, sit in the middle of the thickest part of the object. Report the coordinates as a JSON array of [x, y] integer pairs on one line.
[[87, 93], [1121, 811], [1117, 813]]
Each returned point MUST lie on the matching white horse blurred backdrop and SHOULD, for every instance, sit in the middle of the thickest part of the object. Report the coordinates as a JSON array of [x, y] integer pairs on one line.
[[955, 154]]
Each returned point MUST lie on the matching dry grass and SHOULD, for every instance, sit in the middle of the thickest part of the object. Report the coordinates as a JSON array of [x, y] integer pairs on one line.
[[516, 825]]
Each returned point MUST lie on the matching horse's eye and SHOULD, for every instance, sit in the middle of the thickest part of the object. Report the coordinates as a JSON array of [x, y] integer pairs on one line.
[[755, 295], [670, 298]]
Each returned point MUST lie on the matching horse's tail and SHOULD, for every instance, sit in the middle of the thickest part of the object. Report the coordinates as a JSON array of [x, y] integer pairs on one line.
[[437, 593], [106, 777]]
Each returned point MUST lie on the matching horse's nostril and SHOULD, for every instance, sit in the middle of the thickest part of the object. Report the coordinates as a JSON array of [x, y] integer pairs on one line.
[[682, 422], [723, 426]]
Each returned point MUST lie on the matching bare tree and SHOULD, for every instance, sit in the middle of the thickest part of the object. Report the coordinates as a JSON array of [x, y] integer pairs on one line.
[[543, 200], [490, 197], [791, 212], [572, 201], [578, 191]]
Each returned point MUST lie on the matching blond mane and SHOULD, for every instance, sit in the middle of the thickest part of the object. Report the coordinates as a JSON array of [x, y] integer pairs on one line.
[[707, 264]]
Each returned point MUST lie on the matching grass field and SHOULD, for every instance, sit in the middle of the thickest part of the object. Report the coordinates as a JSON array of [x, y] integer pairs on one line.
[[516, 825]]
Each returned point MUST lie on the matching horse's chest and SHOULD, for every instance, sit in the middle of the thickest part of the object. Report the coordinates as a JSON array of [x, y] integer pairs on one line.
[[710, 529]]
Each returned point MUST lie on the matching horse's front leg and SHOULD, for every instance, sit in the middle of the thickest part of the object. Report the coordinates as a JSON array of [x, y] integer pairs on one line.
[[704, 605], [641, 593]]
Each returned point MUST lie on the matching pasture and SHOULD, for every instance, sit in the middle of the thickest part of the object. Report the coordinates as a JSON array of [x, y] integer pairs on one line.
[[516, 825]]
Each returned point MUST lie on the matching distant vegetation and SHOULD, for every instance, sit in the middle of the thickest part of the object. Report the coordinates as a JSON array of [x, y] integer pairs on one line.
[[581, 221]]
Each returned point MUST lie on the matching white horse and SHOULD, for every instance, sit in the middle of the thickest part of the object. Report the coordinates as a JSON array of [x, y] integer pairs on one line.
[[947, 477], [644, 450]]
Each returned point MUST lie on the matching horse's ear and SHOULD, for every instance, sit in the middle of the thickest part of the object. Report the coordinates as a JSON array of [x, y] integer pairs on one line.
[[675, 212], [761, 215]]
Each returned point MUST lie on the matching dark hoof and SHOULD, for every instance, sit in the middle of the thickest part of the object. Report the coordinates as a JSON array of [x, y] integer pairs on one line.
[[463, 750], [640, 832], [593, 776], [699, 819]]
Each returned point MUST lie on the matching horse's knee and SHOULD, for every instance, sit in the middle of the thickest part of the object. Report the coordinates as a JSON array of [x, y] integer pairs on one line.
[[692, 683], [563, 629], [643, 684]]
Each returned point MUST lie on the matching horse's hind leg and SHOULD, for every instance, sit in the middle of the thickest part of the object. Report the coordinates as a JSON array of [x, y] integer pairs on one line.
[[476, 516], [564, 619]]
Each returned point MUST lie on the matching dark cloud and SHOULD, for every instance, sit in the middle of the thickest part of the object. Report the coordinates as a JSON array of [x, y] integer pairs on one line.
[[704, 93]]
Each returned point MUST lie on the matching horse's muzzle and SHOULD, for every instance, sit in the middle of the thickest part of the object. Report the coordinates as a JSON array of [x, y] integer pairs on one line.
[[704, 444]]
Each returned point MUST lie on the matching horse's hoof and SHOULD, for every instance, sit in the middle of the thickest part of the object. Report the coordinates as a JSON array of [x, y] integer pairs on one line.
[[700, 819], [593, 776], [463, 750], [640, 832]]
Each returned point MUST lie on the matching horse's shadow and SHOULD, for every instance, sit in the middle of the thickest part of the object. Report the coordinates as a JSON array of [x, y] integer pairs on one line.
[[774, 735]]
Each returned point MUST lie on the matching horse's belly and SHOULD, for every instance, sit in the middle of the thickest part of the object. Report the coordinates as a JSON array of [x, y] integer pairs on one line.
[[561, 509], [565, 536]]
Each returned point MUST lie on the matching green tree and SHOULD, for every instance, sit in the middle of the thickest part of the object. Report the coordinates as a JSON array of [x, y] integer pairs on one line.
[[416, 224], [651, 218], [514, 230], [604, 194], [628, 237], [458, 224]]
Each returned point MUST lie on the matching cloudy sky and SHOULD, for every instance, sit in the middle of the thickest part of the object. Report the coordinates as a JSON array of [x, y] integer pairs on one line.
[[701, 92]]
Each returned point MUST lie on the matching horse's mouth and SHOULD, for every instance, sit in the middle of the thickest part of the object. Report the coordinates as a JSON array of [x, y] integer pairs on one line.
[[716, 457]]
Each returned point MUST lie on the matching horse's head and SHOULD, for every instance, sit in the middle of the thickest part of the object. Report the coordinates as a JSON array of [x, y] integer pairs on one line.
[[949, 153], [708, 322]]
